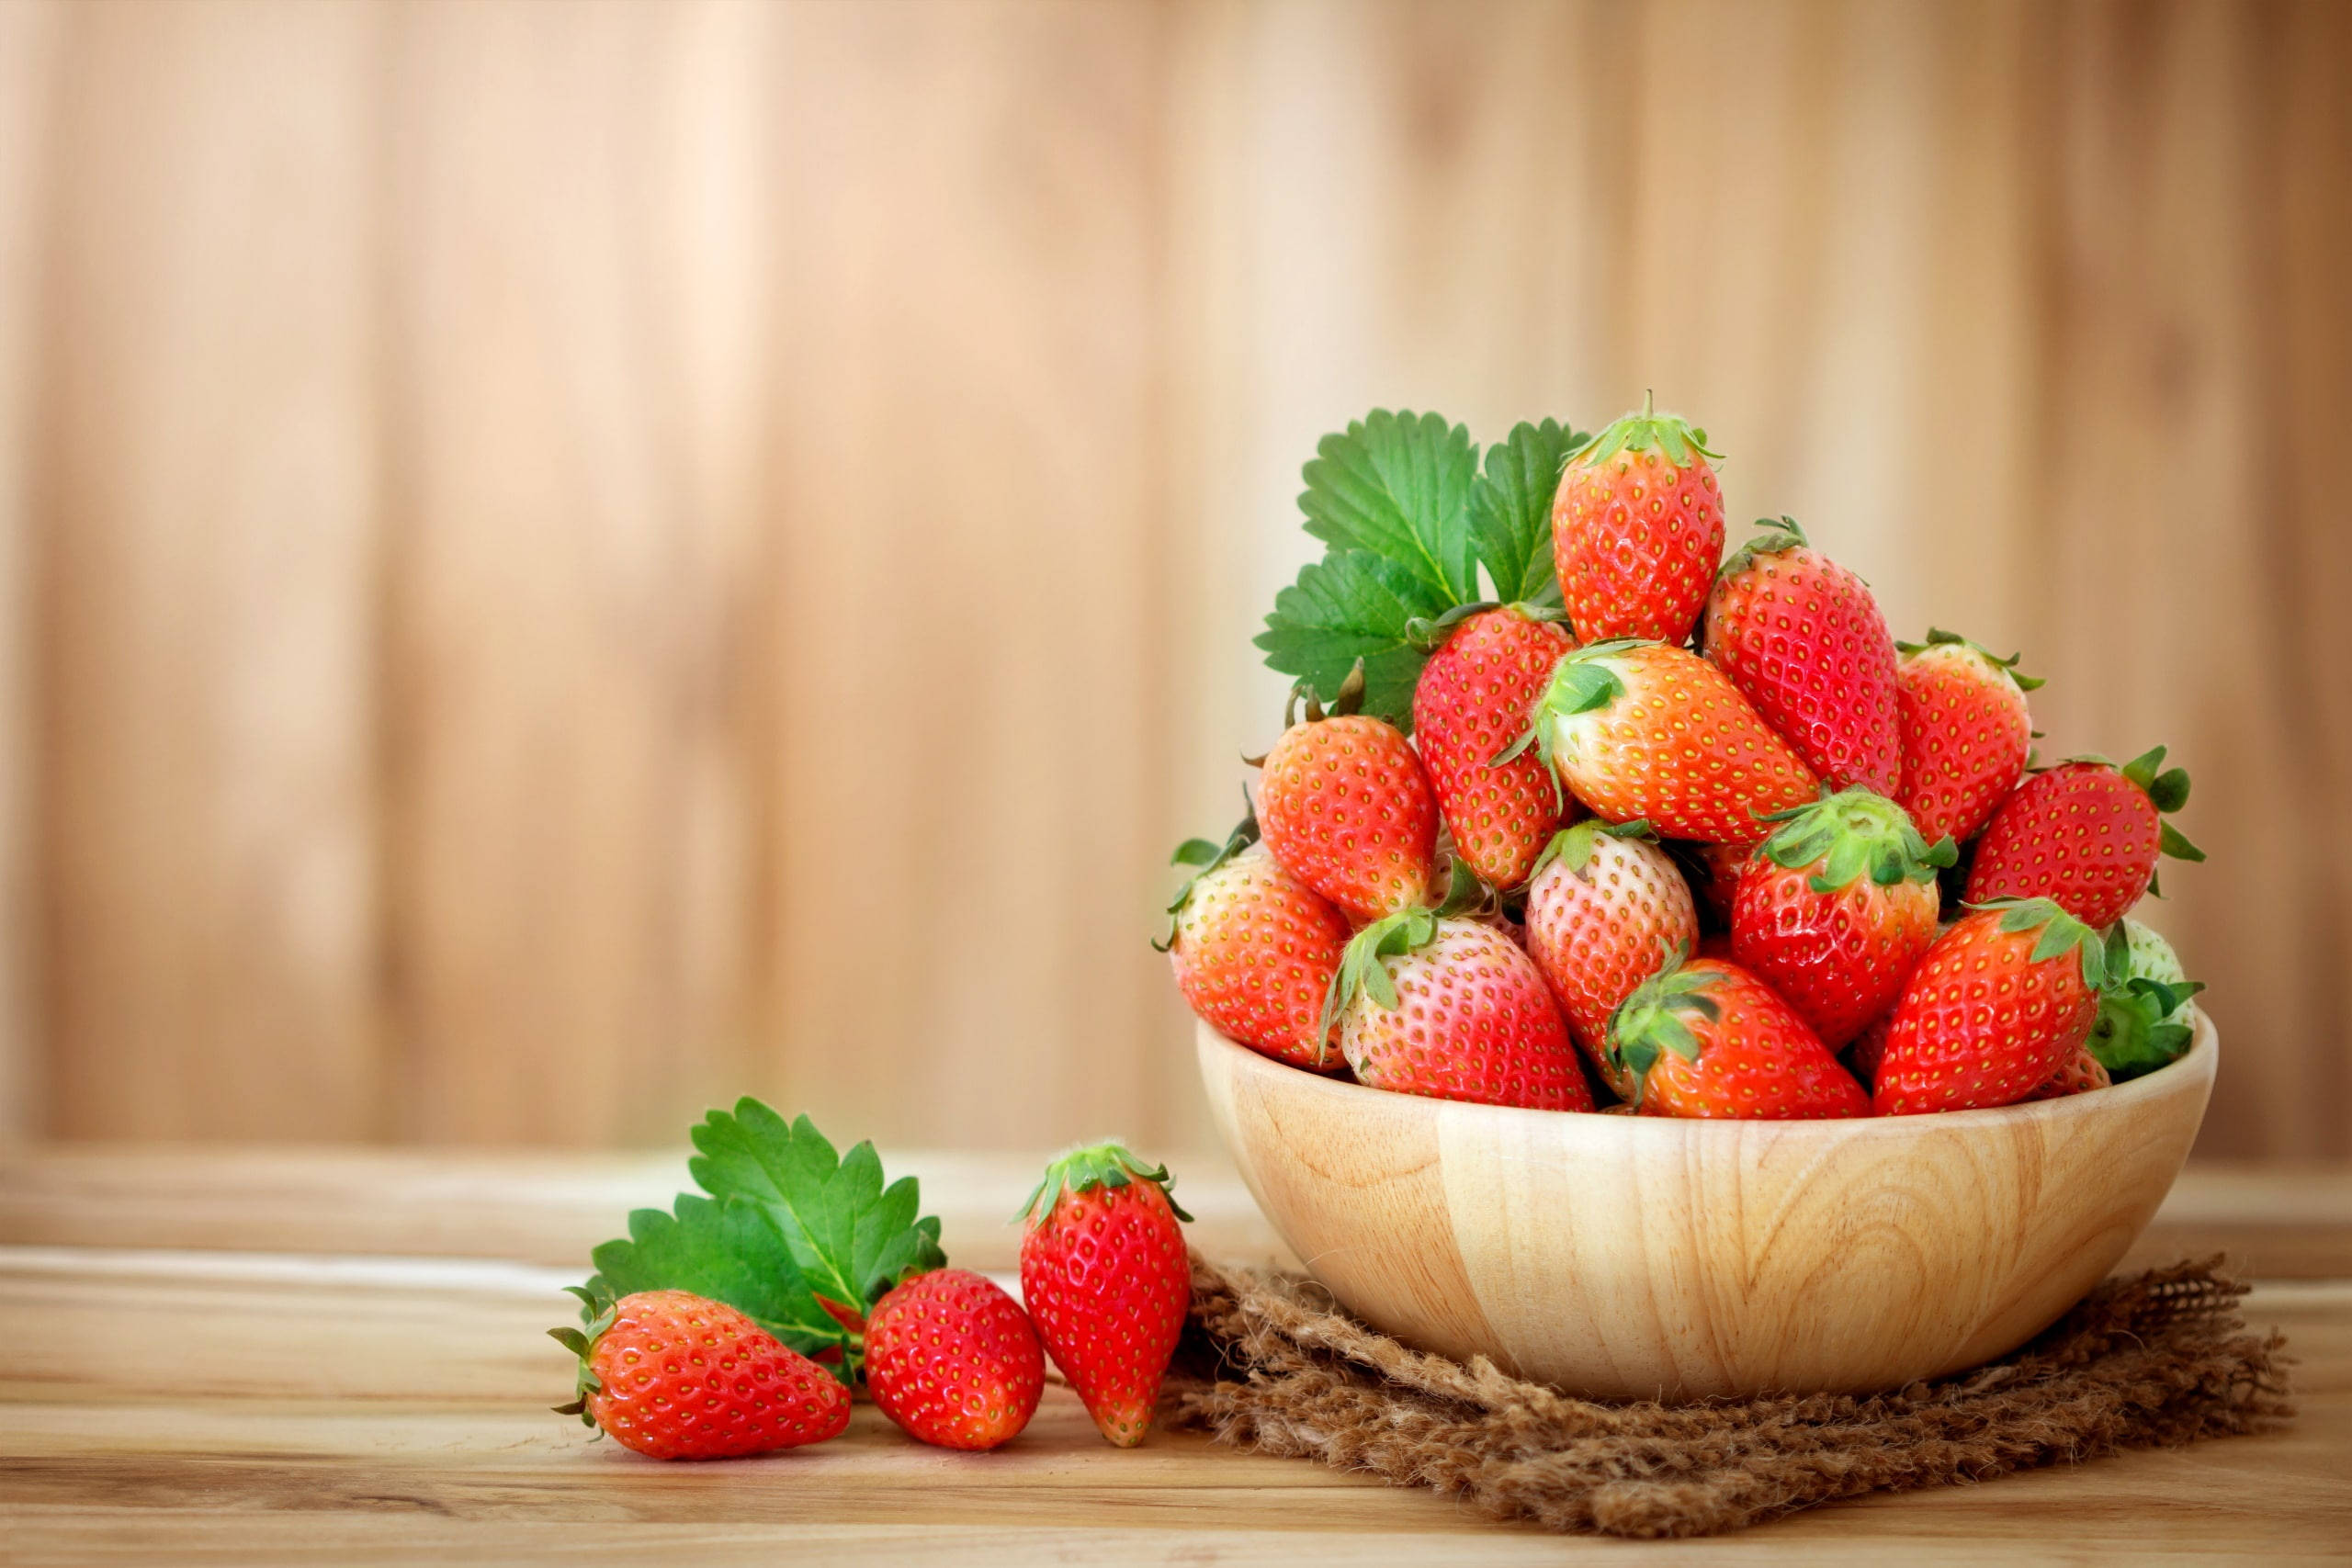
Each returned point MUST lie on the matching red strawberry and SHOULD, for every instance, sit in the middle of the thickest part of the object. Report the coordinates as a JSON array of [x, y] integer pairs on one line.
[[1430, 1004], [1713, 871], [1606, 908], [1254, 951], [1642, 730], [1708, 1039], [1345, 807], [1637, 529], [1471, 701], [678, 1376], [1803, 639], [953, 1361], [2082, 1074], [2085, 835], [2002, 1001], [1108, 1281], [1966, 733], [1836, 907]]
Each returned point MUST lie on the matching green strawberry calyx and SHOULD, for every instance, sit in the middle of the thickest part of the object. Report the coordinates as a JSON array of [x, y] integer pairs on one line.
[[1107, 1164], [1428, 633], [1362, 971], [1655, 1019], [1856, 831], [1573, 846], [1585, 680], [1682, 442], [2061, 933], [1780, 535], [581, 1342], [1938, 637], [2141, 1025], [1206, 856]]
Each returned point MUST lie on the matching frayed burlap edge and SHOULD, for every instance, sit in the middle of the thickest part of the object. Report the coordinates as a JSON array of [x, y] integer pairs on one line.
[[2158, 1360]]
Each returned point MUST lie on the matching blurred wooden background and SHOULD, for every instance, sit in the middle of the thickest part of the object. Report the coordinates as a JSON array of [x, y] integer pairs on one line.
[[560, 562]]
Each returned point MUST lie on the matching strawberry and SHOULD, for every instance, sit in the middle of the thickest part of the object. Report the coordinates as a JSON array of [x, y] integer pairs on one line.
[[2144, 1019], [952, 1360], [1637, 529], [1708, 1039], [1803, 639], [1254, 951], [2083, 835], [1714, 873], [2001, 1001], [1605, 909], [678, 1376], [2082, 1073], [1105, 1274], [1345, 806], [1643, 730], [1836, 908], [1965, 732], [1432, 1004], [1471, 703]]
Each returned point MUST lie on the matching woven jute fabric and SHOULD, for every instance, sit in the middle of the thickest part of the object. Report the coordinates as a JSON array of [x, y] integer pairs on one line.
[[1271, 1364]]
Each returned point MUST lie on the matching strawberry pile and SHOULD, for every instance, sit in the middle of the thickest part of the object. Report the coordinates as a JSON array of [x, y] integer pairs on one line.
[[742, 1320], [1572, 812]]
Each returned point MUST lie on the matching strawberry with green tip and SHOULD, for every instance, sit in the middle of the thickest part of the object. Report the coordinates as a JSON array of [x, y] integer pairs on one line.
[[2144, 1019], [1471, 703], [1644, 729], [1433, 1004], [1708, 1039], [675, 1375], [1606, 907], [2002, 999], [2086, 835], [1343, 803], [1836, 907], [1108, 1281], [1803, 639], [1254, 949], [1637, 529], [1965, 731], [954, 1361]]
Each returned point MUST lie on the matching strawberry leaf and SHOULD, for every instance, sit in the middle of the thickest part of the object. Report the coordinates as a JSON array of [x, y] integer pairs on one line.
[[1354, 605], [850, 1238], [729, 1252], [1398, 486], [1510, 510]]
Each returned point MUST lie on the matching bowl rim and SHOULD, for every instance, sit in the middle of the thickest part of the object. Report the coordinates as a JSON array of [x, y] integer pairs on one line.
[[2200, 1062]]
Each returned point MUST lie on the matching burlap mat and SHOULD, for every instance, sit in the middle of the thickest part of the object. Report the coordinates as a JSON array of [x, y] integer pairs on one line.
[[2158, 1360]]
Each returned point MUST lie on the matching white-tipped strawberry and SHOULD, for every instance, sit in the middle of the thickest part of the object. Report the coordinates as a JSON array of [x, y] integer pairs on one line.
[[1606, 908]]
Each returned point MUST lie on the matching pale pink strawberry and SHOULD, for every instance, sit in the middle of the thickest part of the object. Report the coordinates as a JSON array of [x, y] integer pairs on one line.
[[1606, 909], [1450, 1007]]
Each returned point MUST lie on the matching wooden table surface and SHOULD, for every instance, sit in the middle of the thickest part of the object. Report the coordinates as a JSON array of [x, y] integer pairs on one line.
[[261, 1356]]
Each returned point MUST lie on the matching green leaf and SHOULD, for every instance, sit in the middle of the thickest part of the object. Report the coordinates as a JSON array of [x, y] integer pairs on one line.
[[1196, 852], [730, 1252], [850, 1236], [1350, 605], [2171, 840], [1510, 510], [1398, 485]]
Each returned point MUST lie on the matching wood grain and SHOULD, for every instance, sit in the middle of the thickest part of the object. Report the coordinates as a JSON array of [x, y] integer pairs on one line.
[[1637, 1258], [561, 562], [267, 1408]]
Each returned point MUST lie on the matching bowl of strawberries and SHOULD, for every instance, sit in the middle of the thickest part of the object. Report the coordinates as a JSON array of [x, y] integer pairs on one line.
[[1637, 968]]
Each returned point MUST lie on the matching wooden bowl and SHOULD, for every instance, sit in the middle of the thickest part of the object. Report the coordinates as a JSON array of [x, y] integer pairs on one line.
[[1625, 1257]]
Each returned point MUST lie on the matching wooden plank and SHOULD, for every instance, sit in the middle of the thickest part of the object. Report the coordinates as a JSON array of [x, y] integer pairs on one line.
[[968, 747], [200, 1410], [549, 1210], [205, 483], [29, 38]]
